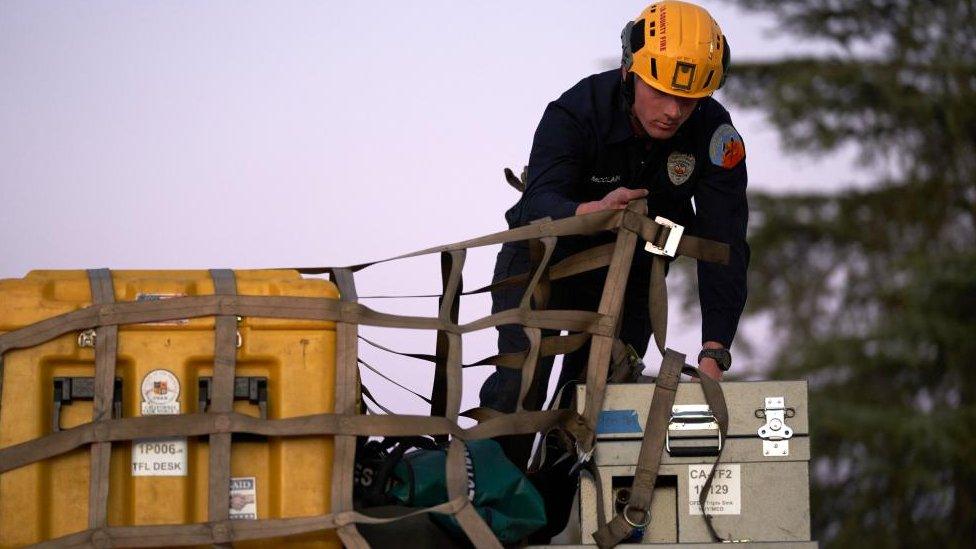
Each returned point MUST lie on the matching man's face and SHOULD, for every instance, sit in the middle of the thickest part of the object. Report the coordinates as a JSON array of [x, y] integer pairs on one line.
[[659, 113]]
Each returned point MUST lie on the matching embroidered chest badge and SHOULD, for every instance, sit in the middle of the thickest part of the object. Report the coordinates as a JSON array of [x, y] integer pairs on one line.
[[726, 148], [680, 166]]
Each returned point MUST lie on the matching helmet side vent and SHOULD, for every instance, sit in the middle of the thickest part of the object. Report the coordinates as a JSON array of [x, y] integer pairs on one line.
[[654, 68], [637, 36]]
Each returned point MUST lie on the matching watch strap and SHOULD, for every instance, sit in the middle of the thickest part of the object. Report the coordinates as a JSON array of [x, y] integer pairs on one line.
[[722, 356]]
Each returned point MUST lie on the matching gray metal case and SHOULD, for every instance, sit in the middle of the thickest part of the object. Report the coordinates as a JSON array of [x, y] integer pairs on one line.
[[762, 491]]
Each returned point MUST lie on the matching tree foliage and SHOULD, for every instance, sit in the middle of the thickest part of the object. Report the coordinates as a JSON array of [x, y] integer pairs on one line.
[[873, 291]]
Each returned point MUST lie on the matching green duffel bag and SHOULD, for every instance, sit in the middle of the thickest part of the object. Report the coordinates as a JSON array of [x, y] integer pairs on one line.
[[502, 495]]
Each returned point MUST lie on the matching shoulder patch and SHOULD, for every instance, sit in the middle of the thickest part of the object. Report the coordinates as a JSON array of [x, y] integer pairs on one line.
[[726, 148]]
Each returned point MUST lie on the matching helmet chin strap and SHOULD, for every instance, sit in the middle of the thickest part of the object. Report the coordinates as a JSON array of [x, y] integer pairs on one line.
[[637, 127], [726, 61], [627, 105], [627, 91], [626, 62]]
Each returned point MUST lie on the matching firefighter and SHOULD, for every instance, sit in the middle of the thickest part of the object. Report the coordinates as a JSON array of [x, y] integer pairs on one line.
[[649, 129]]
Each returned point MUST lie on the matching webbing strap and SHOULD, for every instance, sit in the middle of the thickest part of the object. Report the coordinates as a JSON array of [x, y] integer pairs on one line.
[[391, 380], [601, 346], [649, 458], [306, 308], [445, 397], [106, 348], [230, 530], [471, 522], [327, 309], [478, 532], [540, 254], [222, 399], [699, 248], [550, 346], [536, 296], [692, 246], [580, 262], [635, 221], [651, 452], [346, 423], [18, 455], [452, 264], [715, 398], [577, 225], [347, 392], [658, 303], [591, 468], [534, 337], [620, 364]]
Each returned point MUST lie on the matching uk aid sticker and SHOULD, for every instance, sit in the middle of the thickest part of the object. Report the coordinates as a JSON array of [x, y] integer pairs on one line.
[[726, 148]]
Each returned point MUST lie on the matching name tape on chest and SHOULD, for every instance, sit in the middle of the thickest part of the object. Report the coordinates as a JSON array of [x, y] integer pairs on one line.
[[605, 179]]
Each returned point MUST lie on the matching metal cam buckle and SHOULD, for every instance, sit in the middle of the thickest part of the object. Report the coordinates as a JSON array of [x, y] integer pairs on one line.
[[674, 237], [690, 420]]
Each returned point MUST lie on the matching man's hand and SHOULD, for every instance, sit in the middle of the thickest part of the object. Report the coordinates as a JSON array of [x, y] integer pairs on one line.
[[616, 199]]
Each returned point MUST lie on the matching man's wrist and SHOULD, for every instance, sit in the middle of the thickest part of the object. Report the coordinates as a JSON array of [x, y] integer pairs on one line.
[[715, 352], [588, 207]]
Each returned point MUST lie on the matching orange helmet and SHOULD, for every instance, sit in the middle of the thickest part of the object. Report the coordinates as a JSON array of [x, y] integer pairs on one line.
[[677, 48]]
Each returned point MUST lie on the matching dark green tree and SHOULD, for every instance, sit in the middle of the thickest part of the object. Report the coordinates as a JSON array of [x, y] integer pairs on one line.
[[873, 291]]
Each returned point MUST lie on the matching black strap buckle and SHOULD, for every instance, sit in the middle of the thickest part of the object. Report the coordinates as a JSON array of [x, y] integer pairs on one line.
[[251, 389], [69, 389]]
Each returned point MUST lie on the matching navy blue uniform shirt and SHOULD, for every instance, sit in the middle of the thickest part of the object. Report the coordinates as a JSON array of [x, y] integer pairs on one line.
[[586, 147]]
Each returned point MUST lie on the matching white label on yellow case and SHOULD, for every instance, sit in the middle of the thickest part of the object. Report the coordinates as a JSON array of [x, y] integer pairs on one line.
[[160, 391], [724, 495], [160, 457]]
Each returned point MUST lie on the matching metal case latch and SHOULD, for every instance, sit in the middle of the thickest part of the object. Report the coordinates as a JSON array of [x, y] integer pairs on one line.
[[693, 431], [775, 432]]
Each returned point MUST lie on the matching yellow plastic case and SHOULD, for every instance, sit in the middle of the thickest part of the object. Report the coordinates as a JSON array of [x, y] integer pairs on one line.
[[285, 367]]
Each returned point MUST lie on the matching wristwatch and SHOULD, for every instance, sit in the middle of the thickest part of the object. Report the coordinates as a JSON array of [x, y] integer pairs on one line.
[[722, 356]]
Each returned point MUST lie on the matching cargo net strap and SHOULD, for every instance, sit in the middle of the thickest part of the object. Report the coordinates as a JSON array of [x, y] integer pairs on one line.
[[346, 423]]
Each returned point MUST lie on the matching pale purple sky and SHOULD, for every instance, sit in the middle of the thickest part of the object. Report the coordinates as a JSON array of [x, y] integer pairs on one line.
[[249, 134]]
